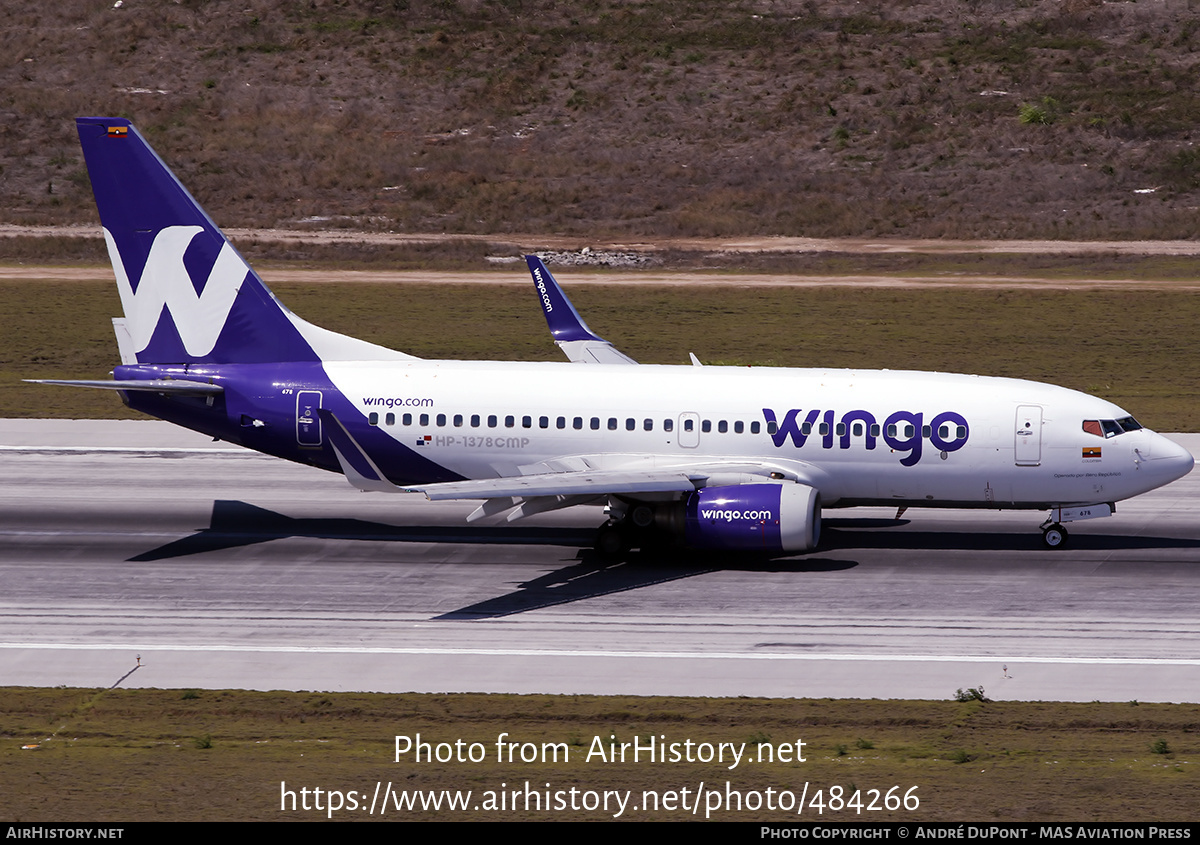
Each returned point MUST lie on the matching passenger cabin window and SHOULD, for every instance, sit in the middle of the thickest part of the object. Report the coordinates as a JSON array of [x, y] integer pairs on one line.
[[373, 418], [390, 419], [406, 419], [668, 425], [424, 419]]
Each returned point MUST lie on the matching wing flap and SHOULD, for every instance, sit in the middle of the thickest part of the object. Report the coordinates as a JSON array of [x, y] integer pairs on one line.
[[562, 484]]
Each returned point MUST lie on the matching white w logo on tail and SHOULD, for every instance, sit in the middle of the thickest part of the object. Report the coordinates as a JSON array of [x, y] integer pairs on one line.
[[165, 281]]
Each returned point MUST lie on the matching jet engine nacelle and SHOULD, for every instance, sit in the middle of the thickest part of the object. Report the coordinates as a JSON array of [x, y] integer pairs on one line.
[[759, 517]]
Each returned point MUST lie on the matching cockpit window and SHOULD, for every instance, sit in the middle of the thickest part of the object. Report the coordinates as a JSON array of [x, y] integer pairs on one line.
[[1111, 428]]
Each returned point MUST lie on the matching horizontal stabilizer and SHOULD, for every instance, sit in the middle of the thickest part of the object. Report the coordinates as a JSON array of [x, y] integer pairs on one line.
[[176, 386]]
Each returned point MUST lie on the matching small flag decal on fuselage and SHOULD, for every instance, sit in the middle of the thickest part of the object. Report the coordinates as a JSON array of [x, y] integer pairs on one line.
[[1091, 451], [118, 131], [421, 441]]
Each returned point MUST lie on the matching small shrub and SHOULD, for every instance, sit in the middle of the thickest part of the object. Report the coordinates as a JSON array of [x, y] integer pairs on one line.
[[205, 741], [1032, 114], [970, 694], [1159, 746], [865, 744]]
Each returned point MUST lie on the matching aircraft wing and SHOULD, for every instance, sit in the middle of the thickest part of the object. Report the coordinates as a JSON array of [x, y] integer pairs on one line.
[[598, 483], [571, 333], [525, 495]]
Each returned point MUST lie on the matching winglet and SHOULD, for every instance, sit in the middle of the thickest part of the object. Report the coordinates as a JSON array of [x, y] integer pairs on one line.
[[359, 469], [570, 332]]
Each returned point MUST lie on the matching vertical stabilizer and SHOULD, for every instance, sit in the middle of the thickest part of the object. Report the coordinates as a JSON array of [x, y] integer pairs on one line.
[[188, 295]]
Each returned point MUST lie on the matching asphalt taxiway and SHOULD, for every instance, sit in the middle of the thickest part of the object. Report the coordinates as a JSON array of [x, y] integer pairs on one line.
[[140, 554]]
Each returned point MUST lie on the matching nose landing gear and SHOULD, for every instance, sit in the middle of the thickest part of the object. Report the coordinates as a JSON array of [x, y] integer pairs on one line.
[[1054, 536], [1053, 533]]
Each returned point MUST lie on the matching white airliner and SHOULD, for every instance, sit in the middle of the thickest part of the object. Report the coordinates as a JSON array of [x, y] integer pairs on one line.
[[740, 458]]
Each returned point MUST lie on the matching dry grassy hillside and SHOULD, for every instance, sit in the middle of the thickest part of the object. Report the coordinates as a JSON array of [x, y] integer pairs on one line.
[[644, 117]]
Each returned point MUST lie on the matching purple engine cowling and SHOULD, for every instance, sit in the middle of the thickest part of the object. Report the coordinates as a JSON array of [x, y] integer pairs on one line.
[[758, 517]]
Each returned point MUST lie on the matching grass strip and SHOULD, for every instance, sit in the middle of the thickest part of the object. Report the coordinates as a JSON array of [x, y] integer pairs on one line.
[[179, 755], [1134, 347]]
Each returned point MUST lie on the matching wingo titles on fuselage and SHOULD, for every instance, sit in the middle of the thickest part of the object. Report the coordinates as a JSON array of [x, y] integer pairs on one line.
[[946, 432]]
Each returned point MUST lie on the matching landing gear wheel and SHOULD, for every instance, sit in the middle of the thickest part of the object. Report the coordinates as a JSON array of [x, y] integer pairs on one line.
[[642, 516], [612, 541], [1055, 536]]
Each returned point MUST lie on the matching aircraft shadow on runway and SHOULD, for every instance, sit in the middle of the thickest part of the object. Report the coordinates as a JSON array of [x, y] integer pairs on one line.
[[594, 576], [236, 524]]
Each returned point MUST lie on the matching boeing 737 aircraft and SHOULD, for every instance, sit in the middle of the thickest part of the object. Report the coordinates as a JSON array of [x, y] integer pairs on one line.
[[733, 458]]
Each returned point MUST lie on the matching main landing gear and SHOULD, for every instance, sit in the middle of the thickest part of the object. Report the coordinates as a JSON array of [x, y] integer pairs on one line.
[[625, 529], [613, 540]]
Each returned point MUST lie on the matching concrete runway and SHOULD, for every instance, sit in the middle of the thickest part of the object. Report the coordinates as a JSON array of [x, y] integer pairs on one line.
[[222, 568]]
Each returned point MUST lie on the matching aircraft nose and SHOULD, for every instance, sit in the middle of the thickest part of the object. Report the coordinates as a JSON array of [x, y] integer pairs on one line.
[[1170, 459]]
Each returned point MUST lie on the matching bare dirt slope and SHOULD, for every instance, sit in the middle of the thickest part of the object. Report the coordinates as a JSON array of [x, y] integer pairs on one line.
[[625, 119]]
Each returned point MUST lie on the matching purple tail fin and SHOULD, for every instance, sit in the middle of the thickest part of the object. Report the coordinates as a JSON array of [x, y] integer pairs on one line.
[[188, 295]]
